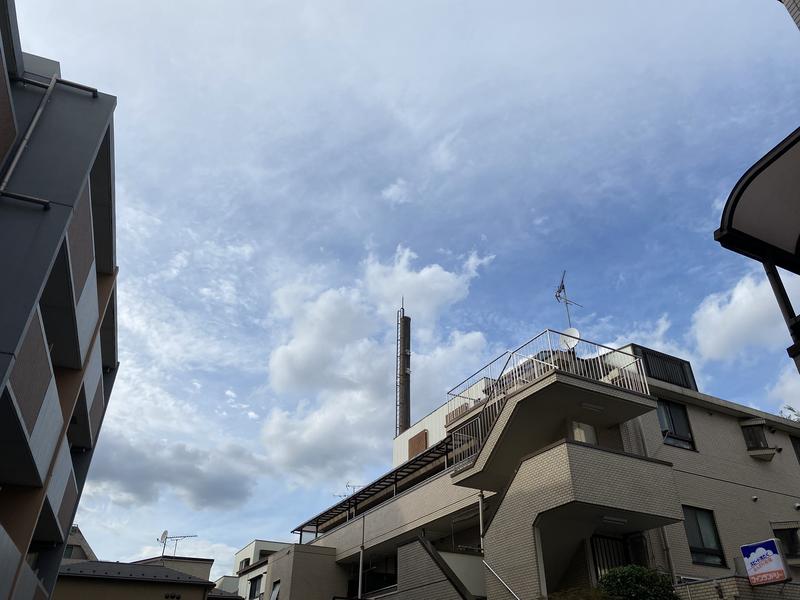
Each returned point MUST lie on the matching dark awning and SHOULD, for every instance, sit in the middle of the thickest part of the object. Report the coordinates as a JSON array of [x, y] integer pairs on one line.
[[762, 216], [410, 467]]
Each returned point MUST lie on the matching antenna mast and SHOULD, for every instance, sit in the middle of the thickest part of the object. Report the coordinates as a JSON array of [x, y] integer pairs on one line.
[[561, 297]]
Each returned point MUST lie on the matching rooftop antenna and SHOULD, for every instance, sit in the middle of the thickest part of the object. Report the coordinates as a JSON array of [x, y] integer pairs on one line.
[[165, 537], [569, 339], [351, 488]]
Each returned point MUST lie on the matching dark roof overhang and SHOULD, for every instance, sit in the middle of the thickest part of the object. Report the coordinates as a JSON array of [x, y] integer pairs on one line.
[[761, 219]]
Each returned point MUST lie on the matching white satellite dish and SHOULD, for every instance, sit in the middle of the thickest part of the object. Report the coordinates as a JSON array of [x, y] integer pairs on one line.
[[569, 339], [163, 538]]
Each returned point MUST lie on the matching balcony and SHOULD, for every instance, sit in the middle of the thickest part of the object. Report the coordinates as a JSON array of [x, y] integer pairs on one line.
[[570, 378]]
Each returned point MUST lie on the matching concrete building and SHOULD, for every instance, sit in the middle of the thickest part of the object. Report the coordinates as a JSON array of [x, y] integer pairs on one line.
[[77, 548], [191, 565], [58, 334], [552, 464]]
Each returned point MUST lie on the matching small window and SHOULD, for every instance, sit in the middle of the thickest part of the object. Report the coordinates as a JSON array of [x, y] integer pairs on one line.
[[674, 423], [701, 531], [255, 587], [276, 590], [755, 437], [796, 446], [583, 432], [244, 564], [68, 551], [790, 542]]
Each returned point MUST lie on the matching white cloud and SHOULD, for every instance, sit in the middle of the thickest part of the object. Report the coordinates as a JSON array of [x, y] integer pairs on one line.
[[397, 192], [746, 317], [443, 154], [338, 359], [786, 391]]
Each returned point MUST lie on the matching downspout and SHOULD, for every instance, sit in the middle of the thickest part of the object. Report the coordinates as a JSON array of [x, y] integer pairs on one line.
[[361, 561], [480, 517]]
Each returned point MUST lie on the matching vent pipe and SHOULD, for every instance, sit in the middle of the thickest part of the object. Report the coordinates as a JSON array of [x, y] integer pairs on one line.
[[403, 381]]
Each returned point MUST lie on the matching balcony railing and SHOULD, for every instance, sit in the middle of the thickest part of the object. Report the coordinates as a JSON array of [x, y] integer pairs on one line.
[[547, 352]]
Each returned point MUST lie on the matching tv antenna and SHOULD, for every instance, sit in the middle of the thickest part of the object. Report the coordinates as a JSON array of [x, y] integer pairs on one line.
[[165, 537], [561, 298], [351, 488], [570, 338]]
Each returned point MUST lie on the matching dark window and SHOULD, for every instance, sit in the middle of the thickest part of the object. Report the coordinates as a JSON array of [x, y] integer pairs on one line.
[[796, 446], [701, 531], [790, 542], [276, 590], [244, 564], [255, 587], [68, 551], [755, 437], [675, 424]]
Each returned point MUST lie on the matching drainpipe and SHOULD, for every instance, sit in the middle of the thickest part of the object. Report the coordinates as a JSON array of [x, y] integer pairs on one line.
[[480, 517], [360, 570], [665, 546]]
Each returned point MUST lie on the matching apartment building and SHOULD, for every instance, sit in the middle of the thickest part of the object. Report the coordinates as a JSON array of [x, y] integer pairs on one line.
[[554, 463], [58, 333]]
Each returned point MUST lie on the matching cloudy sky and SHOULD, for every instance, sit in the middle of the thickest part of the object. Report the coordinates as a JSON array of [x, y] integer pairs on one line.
[[286, 171]]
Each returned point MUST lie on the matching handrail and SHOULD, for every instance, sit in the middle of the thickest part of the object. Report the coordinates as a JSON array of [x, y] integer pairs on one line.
[[500, 579]]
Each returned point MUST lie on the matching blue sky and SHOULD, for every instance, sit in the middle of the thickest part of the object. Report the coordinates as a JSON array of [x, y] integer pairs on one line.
[[286, 171]]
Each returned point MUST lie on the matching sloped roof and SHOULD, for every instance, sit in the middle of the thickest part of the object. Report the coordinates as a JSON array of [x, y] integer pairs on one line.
[[129, 571]]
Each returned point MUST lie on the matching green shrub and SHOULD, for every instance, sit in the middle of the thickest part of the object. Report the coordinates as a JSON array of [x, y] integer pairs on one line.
[[637, 583]]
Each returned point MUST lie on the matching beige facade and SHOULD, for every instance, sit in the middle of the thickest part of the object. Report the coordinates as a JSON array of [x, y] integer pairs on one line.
[[90, 589], [570, 463]]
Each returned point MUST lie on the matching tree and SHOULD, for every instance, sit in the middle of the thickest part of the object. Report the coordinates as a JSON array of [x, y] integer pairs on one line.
[[637, 583]]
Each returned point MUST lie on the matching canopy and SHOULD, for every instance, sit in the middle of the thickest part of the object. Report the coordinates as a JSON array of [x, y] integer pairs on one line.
[[762, 215]]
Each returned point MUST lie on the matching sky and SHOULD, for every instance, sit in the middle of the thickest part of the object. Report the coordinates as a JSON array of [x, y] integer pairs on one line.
[[286, 172]]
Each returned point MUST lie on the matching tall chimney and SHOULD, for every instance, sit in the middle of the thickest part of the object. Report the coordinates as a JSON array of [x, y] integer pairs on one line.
[[403, 382]]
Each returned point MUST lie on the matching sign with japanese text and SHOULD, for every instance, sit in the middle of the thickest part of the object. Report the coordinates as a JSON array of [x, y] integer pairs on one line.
[[764, 563]]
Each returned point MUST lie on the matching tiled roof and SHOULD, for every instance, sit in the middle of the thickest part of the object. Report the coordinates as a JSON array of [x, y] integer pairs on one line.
[[130, 571]]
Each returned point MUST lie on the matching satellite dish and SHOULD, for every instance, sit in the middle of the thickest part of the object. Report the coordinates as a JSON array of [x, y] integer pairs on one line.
[[163, 537], [569, 339]]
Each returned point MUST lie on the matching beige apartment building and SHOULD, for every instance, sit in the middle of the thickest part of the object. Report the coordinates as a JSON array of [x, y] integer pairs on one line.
[[554, 463]]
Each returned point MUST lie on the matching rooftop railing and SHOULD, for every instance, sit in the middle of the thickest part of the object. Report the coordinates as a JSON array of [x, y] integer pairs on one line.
[[549, 351]]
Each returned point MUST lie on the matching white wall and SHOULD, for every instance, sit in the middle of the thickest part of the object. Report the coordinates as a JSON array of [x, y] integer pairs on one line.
[[469, 569], [433, 422]]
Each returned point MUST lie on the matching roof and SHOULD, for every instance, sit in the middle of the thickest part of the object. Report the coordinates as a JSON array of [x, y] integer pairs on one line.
[[168, 557], [409, 467], [128, 571]]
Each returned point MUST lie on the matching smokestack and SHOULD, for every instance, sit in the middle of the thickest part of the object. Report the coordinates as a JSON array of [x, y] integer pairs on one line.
[[403, 384]]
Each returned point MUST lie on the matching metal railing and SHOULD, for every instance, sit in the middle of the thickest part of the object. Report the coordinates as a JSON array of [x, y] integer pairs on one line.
[[547, 352]]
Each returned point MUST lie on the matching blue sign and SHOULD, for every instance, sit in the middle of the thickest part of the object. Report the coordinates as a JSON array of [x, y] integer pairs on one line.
[[764, 563]]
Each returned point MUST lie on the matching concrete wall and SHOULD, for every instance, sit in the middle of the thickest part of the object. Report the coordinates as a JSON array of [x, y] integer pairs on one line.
[[433, 422], [409, 510], [737, 588], [85, 588], [469, 569], [419, 577], [721, 476]]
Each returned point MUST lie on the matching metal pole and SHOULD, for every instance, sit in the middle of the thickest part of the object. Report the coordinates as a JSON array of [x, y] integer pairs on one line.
[[360, 570], [480, 516], [785, 304]]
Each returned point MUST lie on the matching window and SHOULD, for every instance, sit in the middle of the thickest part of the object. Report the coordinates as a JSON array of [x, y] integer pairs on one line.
[[276, 589], [255, 587], [675, 424], [68, 551], [755, 437], [583, 432], [701, 531], [790, 542], [244, 564], [796, 446]]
